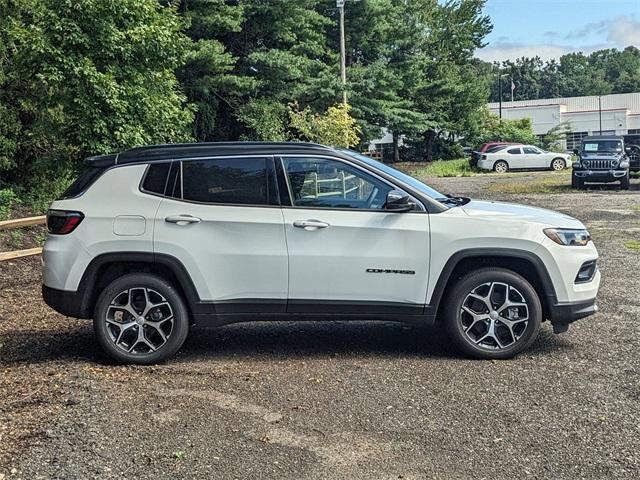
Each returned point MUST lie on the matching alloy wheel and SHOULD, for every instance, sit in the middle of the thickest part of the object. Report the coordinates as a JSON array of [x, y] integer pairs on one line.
[[494, 316], [501, 167], [139, 320], [557, 164]]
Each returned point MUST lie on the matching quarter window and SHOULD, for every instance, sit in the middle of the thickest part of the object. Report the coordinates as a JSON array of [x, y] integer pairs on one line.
[[324, 183], [239, 181], [156, 178]]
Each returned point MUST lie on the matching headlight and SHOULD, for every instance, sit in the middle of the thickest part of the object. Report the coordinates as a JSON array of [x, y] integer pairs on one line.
[[568, 236]]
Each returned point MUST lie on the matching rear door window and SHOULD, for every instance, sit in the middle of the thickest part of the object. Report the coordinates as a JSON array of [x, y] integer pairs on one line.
[[514, 151], [234, 181]]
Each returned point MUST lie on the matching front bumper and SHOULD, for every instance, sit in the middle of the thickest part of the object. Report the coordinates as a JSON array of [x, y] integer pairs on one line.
[[602, 176], [562, 314]]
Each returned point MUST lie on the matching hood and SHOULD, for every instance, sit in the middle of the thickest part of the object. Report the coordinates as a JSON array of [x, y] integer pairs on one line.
[[512, 211], [601, 156]]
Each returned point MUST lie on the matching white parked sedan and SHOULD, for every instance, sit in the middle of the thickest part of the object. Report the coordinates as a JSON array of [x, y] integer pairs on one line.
[[513, 157]]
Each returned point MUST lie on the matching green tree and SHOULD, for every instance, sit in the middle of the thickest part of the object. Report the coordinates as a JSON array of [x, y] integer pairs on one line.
[[335, 127], [446, 90], [84, 77], [493, 128], [250, 59]]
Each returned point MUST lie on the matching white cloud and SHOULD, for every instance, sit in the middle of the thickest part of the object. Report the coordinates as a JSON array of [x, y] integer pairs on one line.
[[619, 32], [624, 32], [498, 52]]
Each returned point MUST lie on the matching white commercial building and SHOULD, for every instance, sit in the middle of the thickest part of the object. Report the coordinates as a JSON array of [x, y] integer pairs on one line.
[[610, 114]]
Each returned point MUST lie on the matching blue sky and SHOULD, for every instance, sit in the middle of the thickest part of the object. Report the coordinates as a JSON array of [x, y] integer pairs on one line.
[[551, 28]]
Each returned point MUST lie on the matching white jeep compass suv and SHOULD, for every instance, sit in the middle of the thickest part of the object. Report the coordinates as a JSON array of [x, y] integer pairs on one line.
[[155, 239]]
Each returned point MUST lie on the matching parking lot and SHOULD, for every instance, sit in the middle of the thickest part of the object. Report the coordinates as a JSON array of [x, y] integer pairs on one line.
[[335, 400]]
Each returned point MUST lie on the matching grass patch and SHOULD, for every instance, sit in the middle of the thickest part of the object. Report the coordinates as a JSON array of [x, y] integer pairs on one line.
[[553, 184], [633, 245], [445, 168]]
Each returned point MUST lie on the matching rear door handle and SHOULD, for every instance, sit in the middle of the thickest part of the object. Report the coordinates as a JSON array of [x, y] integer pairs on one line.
[[310, 224], [183, 219]]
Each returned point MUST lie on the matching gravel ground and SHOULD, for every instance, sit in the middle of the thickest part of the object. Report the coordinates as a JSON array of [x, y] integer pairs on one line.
[[333, 400]]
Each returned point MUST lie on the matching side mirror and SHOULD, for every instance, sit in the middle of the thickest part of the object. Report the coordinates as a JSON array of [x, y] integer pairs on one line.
[[398, 201], [576, 151]]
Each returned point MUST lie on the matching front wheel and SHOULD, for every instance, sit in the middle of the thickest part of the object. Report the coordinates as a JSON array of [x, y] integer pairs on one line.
[[577, 183], [558, 164], [140, 318], [624, 182], [492, 313], [501, 166]]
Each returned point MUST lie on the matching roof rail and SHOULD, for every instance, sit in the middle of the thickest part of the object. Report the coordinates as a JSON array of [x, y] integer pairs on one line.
[[172, 151]]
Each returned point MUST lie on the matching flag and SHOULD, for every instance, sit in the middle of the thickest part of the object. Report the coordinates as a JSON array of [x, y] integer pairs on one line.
[[513, 86]]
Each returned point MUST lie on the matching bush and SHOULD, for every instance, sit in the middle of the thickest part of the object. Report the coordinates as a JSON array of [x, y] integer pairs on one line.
[[8, 199]]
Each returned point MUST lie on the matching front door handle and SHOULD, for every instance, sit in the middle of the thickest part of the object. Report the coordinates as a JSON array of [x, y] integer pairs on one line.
[[183, 219], [310, 224]]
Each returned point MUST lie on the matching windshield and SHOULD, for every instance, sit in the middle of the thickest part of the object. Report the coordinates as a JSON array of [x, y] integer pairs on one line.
[[403, 177], [602, 146]]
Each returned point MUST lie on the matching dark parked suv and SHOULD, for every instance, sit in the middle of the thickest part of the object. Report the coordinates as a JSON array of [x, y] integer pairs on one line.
[[601, 159]]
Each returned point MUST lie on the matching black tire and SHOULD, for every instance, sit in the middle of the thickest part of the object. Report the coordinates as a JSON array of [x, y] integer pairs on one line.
[[164, 300], [558, 164], [476, 281], [502, 166], [577, 183], [624, 182]]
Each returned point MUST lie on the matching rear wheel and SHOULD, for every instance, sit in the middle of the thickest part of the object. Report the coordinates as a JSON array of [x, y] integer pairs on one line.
[[558, 164], [501, 166], [624, 182], [493, 313], [140, 318]]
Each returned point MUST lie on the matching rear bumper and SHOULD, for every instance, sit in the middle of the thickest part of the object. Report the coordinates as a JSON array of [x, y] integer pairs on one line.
[[603, 176], [70, 304]]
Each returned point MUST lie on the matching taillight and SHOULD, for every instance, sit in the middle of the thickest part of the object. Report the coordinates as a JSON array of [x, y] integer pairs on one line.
[[61, 222]]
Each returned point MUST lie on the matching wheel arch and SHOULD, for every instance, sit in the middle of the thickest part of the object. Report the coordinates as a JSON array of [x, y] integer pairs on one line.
[[522, 262], [105, 268]]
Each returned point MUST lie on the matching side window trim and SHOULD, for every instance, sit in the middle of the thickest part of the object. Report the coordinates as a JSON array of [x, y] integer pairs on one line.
[[422, 208]]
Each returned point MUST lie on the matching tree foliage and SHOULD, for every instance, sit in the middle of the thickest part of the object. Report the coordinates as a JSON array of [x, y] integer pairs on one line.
[[334, 127], [85, 77], [572, 75]]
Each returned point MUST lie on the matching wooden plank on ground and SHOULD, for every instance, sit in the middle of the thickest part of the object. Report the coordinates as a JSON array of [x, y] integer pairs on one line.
[[22, 222], [20, 253]]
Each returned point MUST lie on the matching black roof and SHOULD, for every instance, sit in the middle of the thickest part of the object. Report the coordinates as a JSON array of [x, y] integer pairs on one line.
[[175, 151]]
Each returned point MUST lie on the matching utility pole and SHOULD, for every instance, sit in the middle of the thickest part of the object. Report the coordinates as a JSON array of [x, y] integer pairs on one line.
[[343, 66], [600, 111], [500, 87]]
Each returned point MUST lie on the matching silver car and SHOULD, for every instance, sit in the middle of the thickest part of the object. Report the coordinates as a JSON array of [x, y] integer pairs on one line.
[[514, 157]]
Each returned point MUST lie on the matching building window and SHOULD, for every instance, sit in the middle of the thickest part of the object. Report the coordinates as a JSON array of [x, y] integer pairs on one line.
[[634, 131], [574, 139]]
